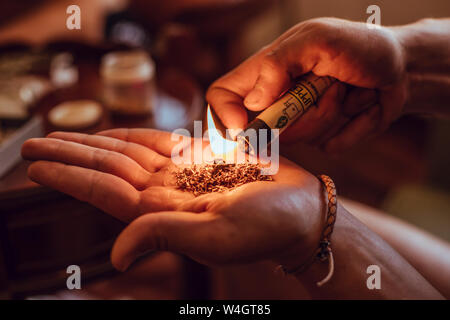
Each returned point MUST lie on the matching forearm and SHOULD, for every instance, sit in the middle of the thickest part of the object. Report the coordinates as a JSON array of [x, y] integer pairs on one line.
[[426, 51], [426, 45], [355, 247], [428, 254]]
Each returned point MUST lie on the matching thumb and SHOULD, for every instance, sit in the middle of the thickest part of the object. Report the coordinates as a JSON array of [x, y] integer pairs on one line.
[[273, 79], [181, 232]]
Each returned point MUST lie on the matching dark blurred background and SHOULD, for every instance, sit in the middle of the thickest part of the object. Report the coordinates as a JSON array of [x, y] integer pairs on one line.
[[186, 45]]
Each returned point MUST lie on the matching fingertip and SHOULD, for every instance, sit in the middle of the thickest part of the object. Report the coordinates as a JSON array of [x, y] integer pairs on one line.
[[24, 149], [121, 257], [228, 106], [273, 79], [117, 260], [34, 170], [28, 146], [236, 120], [232, 115], [253, 100], [130, 244], [31, 171], [117, 132], [56, 134], [264, 95]]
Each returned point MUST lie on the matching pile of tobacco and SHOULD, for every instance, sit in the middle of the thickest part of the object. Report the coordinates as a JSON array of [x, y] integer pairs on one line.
[[201, 179]]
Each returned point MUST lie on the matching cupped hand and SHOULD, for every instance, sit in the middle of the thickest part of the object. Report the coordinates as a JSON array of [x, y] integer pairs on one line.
[[128, 173], [370, 95]]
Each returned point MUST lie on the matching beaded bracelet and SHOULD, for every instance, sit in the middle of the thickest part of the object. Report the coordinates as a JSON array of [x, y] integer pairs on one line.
[[323, 252]]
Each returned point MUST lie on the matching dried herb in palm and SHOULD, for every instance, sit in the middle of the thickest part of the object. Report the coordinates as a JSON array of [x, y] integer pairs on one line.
[[207, 178]]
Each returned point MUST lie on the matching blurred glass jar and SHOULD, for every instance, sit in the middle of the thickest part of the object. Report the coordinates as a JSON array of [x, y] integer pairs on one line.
[[128, 79]]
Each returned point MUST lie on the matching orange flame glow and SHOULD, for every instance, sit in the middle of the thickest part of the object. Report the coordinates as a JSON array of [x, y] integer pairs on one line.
[[219, 145]]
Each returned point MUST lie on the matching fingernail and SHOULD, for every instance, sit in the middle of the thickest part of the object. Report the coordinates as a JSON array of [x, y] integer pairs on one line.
[[253, 97]]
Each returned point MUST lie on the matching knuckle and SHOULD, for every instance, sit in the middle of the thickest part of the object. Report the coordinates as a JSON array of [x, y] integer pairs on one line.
[[317, 24], [271, 60], [265, 48], [98, 155], [273, 69], [123, 147], [323, 34], [319, 28]]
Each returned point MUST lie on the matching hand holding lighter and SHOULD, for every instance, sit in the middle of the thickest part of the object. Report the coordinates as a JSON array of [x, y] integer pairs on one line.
[[289, 107]]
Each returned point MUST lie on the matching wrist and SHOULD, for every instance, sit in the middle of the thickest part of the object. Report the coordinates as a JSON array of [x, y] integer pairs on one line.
[[420, 42], [309, 238], [425, 63], [401, 36]]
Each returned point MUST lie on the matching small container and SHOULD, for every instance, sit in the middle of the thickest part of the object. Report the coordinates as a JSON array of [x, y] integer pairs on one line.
[[63, 72], [128, 79]]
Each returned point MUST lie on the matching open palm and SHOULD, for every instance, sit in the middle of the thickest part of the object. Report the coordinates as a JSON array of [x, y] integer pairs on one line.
[[128, 173]]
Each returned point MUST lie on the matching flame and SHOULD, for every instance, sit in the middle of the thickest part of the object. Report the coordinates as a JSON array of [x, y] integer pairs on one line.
[[219, 145]]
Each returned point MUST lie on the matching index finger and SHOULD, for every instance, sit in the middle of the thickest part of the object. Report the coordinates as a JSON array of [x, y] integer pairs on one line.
[[162, 142], [228, 106], [226, 94], [105, 191]]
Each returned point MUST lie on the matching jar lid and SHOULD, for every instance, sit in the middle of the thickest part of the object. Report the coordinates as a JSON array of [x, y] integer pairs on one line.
[[75, 114], [127, 67]]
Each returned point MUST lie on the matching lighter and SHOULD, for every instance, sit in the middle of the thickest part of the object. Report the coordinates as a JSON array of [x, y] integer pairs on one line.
[[288, 108]]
